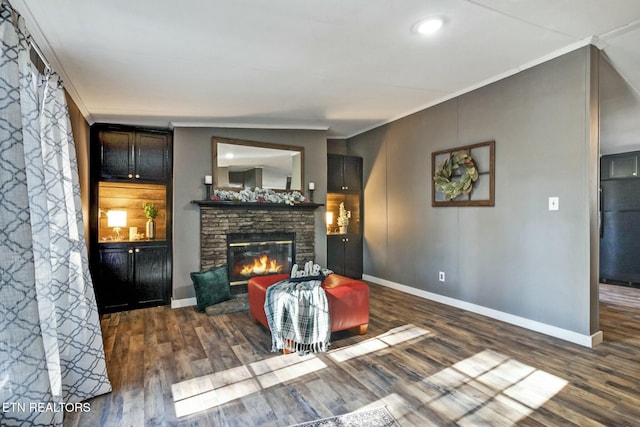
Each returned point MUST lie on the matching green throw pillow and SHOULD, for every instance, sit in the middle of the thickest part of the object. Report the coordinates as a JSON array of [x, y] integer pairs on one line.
[[211, 287]]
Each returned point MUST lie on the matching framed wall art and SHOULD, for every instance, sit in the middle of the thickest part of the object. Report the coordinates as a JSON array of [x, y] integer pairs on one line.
[[464, 176]]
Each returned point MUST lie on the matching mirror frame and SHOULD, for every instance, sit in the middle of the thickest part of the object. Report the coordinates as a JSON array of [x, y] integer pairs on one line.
[[219, 140]]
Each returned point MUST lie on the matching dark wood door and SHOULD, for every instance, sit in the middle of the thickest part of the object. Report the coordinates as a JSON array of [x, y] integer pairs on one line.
[[151, 275], [353, 256], [151, 156], [352, 173], [624, 165], [113, 282], [335, 253], [116, 154], [344, 173], [344, 254], [334, 173]]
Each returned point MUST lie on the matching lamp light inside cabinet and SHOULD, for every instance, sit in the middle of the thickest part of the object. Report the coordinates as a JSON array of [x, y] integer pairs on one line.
[[329, 219], [116, 219]]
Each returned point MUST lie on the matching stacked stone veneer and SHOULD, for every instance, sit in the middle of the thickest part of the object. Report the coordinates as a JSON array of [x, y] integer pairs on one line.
[[217, 222]]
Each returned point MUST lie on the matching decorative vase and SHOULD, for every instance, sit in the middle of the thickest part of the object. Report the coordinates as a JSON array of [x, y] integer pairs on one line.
[[151, 229], [343, 229]]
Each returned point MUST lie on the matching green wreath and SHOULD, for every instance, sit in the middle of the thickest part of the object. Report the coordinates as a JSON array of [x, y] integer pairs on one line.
[[444, 181]]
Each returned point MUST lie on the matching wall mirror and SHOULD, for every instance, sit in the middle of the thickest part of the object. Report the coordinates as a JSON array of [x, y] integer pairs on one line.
[[239, 164]]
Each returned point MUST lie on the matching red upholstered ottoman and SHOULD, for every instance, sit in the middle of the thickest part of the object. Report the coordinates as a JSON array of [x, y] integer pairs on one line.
[[348, 301]]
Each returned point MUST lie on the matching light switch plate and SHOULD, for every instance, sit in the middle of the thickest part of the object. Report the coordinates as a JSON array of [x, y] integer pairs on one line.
[[554, 203]]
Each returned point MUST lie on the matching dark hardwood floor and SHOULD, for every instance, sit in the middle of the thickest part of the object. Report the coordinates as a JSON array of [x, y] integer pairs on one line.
[[430, 364]]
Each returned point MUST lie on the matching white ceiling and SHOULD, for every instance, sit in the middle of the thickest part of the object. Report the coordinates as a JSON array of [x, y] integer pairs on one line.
[[342, 65]]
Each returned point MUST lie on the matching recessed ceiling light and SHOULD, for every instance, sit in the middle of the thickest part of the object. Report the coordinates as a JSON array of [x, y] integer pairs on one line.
[[429, 26]]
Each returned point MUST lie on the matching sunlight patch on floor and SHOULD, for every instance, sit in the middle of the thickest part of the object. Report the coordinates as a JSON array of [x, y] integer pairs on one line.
[[212, 398], [215, 389], [306, 365], [490, 388], [393, 337]]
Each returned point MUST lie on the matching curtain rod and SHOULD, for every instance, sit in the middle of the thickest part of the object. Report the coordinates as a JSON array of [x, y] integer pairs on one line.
[[15, 17], [38, 52]]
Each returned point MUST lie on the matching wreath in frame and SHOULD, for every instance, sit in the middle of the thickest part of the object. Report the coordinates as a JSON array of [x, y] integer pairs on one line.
[[452, 186]]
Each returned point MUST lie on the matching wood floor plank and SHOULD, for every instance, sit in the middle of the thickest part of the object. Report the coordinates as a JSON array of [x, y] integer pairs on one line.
[[430, 364]]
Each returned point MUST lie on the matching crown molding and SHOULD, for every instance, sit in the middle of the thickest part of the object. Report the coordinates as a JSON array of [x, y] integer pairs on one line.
[[213, 124]]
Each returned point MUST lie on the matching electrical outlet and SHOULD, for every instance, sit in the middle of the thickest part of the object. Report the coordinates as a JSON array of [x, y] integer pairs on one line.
[[441, 276], [554, 203]]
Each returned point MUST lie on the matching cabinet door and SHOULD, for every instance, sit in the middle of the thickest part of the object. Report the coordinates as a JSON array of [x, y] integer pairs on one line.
[[344, 255], [334, 173], [151, 156], [353, 257], [113, 281], [344, 173], [151, 275], [352, 173], [335, 253], [623, 167], [619, 166], [116, 154]]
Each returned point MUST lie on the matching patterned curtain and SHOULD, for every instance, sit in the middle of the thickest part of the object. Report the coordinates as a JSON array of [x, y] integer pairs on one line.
[[51, 351]]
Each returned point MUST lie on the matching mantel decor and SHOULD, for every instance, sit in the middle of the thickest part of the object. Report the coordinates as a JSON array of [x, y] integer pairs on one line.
[[464, 176], [258, 195], [256, 205], [258, 198]]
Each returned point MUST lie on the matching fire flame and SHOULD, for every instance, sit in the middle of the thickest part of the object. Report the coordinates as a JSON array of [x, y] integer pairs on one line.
[[261, 265]]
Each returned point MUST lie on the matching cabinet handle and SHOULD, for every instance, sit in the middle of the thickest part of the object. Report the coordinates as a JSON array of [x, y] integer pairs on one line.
[[130, 251], [130, 175], [137, 250], [137, 176]]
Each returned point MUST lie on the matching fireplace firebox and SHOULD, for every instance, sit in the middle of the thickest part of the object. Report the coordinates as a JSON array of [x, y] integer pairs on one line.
[[258, 254]]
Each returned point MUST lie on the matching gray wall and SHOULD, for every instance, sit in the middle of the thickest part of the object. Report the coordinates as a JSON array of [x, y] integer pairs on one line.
[[516, 257], [619, 112], [337, 146], [192, 161]]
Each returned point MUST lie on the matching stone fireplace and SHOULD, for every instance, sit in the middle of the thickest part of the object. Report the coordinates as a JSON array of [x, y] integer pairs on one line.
[[218, 220]]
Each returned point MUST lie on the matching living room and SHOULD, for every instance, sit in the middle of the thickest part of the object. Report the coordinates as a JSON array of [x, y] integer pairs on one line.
[[515, 262]]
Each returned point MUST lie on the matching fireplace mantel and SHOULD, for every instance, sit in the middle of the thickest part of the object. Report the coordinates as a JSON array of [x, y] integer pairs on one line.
[[255, 205]]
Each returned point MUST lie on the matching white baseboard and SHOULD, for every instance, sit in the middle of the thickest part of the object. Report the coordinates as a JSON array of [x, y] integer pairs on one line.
[[554, 331], [184, 302]]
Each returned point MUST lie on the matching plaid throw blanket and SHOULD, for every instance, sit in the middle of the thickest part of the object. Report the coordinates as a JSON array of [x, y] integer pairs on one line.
[[298, 316]]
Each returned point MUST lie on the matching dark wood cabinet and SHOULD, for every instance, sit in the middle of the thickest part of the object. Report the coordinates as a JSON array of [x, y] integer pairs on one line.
[[130, 166], [112, 279], [344, 247], [344, 254], [623, 165], [344, 173], [131, 275], [132, 155], [151, 156]]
